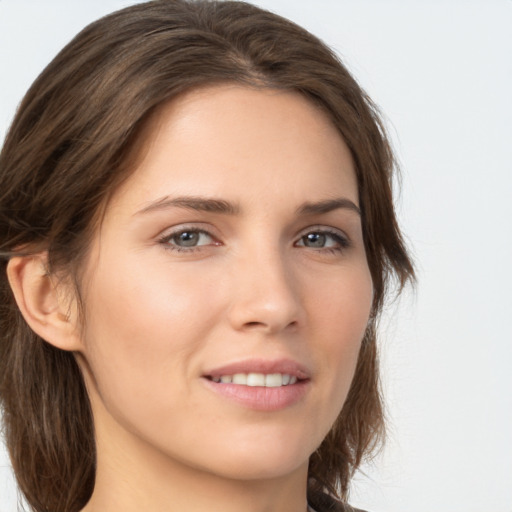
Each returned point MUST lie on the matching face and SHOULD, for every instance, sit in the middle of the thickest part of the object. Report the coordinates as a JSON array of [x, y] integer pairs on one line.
[[227, 290]]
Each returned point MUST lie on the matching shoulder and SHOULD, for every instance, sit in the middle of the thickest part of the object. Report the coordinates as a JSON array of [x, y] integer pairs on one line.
[[337, 507], [325, 503]]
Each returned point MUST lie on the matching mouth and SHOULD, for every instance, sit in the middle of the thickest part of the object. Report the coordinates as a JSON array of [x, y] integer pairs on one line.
[[260, 385], [269, 380]]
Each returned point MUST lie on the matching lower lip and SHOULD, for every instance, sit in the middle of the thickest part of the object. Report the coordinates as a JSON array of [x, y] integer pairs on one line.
[[261, 398]]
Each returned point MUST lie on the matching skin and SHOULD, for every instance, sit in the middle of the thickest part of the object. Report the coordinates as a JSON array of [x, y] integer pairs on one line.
[[157, 318]]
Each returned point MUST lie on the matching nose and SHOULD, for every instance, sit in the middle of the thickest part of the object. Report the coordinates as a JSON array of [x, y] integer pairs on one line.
[[265, 295]]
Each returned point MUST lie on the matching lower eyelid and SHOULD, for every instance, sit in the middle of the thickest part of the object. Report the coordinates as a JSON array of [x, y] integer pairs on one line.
[[340, 239], [166, 239], [336, 236]]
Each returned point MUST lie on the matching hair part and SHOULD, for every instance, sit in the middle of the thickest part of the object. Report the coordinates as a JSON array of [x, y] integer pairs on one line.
[[76, 137]]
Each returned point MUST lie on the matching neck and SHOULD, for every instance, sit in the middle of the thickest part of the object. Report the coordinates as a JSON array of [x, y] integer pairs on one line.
[[131, 476], [145, 488]]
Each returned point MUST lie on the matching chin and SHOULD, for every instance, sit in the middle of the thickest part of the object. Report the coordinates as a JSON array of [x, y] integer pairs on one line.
[[260, 459], [268, 467]]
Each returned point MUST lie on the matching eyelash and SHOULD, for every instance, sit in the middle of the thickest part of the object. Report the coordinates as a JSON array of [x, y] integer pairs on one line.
[[164, 240], [342, 242]]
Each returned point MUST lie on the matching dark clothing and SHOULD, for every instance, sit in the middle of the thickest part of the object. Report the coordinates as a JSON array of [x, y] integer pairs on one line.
[[325, 503]]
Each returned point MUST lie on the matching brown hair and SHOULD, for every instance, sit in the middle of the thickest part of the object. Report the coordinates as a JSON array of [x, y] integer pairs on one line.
[[67, 150]]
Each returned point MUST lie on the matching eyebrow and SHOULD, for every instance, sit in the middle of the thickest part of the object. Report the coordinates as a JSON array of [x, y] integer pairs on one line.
[[196, 203], [205, 204], [328, 206]]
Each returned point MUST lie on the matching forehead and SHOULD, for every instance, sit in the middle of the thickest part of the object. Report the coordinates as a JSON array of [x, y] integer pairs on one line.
[[227, 141]]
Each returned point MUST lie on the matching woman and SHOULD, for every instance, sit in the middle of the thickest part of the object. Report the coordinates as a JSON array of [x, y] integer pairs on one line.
[[197, 234]]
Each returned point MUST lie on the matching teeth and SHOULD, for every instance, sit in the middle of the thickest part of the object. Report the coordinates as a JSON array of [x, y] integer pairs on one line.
[[270, 380], [255, 379], [274, 380], [240, 378]]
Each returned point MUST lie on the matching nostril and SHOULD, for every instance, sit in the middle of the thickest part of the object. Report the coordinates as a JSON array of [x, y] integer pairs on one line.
[[254, 324], [262, 325]]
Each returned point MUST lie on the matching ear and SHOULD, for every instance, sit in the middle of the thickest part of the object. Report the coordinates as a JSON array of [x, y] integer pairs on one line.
[[47, 303]]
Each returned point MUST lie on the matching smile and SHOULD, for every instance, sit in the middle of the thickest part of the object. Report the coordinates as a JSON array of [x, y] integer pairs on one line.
[[270, 380]]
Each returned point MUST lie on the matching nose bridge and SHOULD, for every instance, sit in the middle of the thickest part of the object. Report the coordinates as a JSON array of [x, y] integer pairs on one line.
[[266, 295]]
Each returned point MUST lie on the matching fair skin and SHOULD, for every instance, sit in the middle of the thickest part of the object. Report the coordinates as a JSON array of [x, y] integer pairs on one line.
[[235, 248]]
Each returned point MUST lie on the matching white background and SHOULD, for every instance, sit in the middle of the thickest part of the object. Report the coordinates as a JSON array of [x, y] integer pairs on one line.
[[442, 73]]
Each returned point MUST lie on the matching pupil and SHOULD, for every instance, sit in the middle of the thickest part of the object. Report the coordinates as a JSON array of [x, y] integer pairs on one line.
[[315, 239], [187, 238]]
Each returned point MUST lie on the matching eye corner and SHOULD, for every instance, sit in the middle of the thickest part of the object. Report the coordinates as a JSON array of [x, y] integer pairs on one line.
[[322, 238], [193, 239]]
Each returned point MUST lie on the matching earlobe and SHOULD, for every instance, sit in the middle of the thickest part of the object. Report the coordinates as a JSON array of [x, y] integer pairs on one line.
[[44, 301]]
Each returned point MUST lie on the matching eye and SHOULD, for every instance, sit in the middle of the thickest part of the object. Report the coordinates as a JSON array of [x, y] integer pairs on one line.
[[323, 239], [187, 239]]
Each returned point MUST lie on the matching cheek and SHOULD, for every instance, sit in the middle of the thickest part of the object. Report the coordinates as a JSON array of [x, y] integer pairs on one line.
[[142, 333], [145, 305], [343, 307], [342, 320]]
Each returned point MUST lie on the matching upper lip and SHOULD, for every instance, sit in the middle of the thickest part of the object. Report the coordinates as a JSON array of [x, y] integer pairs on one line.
[[266, 366]]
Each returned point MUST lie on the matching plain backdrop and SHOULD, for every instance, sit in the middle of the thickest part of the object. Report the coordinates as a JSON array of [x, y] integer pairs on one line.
[[441, 72]]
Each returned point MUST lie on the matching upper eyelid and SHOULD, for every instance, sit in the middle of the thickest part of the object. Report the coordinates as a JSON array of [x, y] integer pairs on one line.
[[166, 237], [210, 230], [193, 226], [319, 228]]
